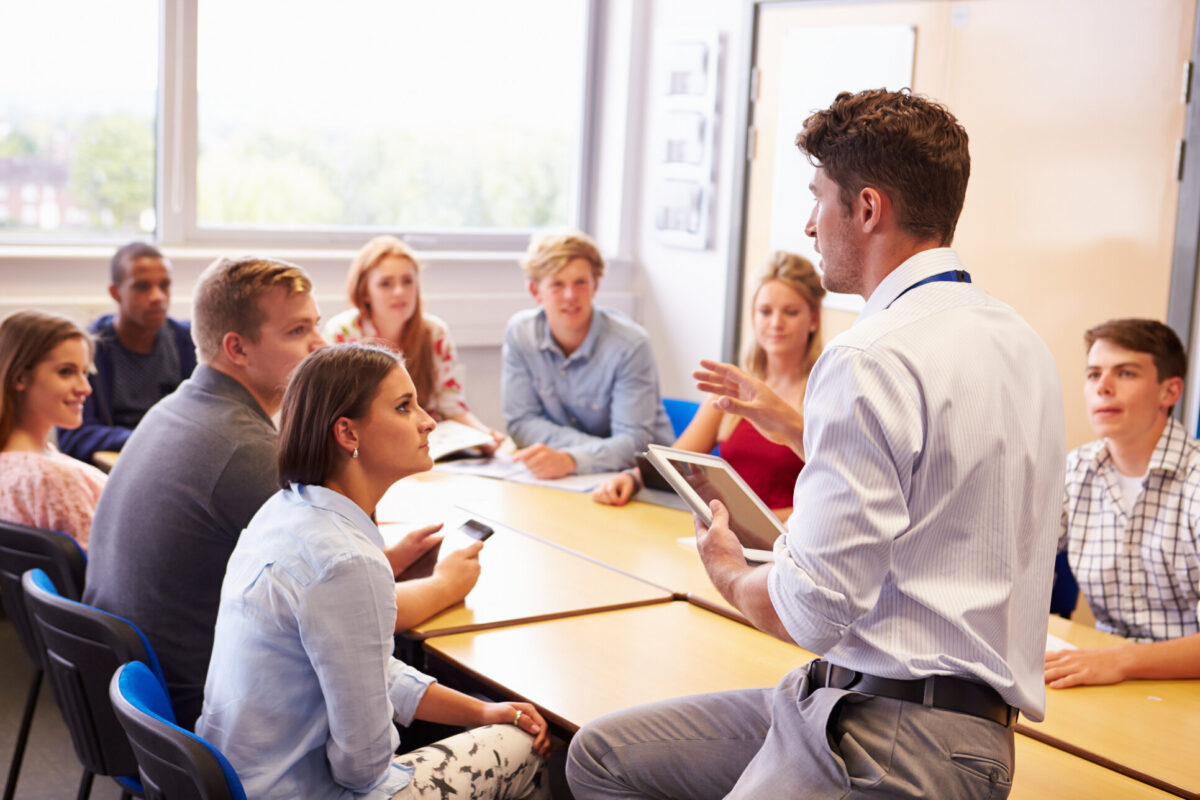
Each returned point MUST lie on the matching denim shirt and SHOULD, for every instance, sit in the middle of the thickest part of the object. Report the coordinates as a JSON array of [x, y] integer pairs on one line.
[[302, 687], [600, 405]]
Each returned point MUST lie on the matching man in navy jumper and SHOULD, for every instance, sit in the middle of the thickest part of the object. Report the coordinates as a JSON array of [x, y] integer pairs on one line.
[[141, 353]]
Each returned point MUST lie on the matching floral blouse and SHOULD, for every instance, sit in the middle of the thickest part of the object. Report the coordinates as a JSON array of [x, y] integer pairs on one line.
[[52, 491], [449, 399]]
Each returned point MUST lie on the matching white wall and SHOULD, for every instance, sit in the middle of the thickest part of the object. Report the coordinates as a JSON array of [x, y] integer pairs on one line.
[[683, 303]]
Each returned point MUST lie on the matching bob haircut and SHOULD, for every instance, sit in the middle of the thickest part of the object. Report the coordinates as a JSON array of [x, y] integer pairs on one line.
[[333, 382], [26, 338], [550, 252]]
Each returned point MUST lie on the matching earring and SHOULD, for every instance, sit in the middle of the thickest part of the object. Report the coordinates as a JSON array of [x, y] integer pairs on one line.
[[355, 453]]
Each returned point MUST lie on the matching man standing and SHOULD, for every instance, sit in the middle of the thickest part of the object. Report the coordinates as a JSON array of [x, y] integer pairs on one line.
[[1131, 512], [141, 353], [918, 562]]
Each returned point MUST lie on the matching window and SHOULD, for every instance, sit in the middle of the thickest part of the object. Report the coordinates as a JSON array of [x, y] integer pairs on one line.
[[77, 117], [460, 122], [454, 114]]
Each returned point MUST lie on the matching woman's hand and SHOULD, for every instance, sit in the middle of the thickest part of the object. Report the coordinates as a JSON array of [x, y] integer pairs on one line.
[[458, 571], [741, 393], [615, 491], [412, 546], [525, 716]]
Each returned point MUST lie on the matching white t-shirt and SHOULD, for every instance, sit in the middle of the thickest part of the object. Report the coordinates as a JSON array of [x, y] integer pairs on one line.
[[1131, 487]]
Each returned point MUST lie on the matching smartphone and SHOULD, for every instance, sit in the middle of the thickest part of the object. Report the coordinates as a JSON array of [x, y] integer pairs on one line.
[[476, 529], [423, 566]]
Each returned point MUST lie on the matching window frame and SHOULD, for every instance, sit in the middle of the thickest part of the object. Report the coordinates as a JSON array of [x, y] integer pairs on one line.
[[177, 152]]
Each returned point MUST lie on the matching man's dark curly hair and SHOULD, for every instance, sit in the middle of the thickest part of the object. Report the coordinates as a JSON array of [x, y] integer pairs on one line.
[[909, 147]]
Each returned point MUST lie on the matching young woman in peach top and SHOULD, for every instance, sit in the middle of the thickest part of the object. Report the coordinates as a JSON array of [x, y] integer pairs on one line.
[[44, 361]]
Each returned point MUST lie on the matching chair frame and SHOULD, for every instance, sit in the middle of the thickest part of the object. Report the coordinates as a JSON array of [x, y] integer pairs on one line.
[[23, 548], [82, 647], [172, 762]]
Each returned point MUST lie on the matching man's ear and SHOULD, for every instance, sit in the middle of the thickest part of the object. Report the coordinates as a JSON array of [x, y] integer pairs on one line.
[[872, 206], [533, 291], [114, 294], [345, 433], [233, 347], [1171, 390]]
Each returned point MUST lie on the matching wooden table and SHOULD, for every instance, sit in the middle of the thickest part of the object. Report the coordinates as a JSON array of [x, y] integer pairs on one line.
[[105, 459], [1149, 730], [573, 670], [639, 539], [522, 578], [579, 668], [1045, 772]]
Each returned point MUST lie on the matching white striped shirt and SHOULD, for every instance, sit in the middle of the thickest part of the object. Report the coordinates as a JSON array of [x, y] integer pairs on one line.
[[926, 518]]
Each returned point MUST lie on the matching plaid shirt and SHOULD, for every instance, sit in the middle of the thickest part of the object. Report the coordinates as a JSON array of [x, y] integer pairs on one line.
[[1139, 571]]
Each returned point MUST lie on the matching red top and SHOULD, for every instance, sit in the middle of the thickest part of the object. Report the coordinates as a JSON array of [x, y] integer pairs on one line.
[[770, 469]]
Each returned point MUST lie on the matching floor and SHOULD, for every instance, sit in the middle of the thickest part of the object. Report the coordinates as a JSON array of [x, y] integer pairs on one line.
[[49, 770]]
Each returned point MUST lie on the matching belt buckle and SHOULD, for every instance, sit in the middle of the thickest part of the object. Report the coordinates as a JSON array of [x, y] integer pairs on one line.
[[840, 677]]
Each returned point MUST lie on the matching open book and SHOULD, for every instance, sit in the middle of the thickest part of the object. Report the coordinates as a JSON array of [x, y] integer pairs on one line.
[[450, 437]]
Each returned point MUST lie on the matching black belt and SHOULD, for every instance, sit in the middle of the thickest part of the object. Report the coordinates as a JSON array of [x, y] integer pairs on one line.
[[939, 691]]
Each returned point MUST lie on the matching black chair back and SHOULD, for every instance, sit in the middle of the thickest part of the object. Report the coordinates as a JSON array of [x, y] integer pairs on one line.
[[23, 548], [174, 763], [82, 648]]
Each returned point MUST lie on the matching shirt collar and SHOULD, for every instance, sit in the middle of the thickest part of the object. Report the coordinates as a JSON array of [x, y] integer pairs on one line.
[[1168, 455], [585, 350], [337, 503], [918, 267], [222, 385]]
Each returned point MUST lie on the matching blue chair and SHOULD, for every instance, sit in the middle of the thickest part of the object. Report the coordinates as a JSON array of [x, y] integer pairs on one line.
[[1065, 594], [82, 648], [680, 412], [173, 762], [23, 548]]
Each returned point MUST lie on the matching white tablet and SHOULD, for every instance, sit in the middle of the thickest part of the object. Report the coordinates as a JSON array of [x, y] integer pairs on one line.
[[700, 478]]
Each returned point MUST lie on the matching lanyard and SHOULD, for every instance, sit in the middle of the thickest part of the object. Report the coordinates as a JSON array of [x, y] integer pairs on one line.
[[955, 275]]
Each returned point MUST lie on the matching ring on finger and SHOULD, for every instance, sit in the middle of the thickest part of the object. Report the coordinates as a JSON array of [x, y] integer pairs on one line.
[[517, 718]]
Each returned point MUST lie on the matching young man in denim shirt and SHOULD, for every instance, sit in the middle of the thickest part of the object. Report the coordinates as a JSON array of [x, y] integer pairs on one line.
[[580, 385]]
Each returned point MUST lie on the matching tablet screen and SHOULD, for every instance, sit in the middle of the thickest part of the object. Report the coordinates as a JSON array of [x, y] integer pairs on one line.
[[753, 527]]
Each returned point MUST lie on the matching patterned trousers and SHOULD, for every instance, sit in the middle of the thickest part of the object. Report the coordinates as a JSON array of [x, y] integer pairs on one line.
[[495, 762]]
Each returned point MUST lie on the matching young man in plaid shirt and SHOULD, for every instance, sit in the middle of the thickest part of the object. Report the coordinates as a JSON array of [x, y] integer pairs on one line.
[[1131, 511]]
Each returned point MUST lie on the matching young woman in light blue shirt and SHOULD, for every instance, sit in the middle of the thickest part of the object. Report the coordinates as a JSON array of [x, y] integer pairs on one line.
[[302, 688]]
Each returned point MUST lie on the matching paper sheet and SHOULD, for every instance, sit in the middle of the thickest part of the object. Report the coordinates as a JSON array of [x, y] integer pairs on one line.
[[506, 469], [1054, 643]]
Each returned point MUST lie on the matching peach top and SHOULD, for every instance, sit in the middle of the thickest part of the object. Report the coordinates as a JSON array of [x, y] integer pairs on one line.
[[50, 491]]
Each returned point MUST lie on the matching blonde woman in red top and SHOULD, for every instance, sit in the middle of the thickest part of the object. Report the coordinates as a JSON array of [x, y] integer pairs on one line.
[[786, 308]]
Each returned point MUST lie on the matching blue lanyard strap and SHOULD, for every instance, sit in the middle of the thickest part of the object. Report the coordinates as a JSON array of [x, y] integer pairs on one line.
[[955, 275]]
